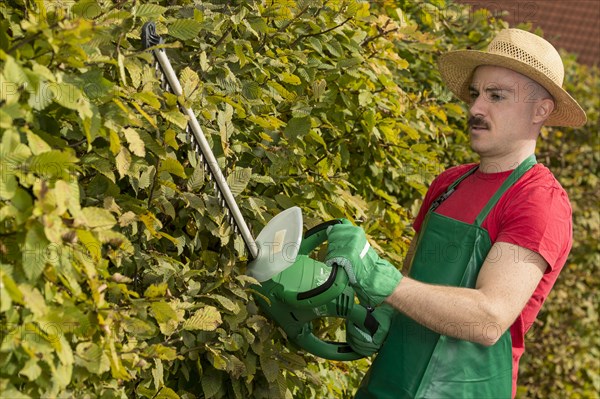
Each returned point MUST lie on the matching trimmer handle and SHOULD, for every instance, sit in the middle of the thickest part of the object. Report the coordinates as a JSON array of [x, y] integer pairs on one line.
[[342, 305], [341, 351], [317, 236]]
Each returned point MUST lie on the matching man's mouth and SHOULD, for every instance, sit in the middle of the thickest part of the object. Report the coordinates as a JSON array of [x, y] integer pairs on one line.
[[478, 124]]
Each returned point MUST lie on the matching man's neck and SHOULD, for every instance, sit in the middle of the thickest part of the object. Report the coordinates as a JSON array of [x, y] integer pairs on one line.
[[505, 162]]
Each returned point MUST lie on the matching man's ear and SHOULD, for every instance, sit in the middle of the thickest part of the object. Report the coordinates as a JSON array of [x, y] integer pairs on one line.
[[543, 110]]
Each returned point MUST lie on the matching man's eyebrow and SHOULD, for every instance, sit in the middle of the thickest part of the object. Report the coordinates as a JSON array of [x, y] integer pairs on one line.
[[493, 89]]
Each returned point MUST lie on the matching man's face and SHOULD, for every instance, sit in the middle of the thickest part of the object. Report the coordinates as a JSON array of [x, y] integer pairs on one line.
[[501, 110]]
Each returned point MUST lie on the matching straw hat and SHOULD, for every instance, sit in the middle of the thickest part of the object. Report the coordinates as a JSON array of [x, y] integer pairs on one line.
[[525, 53]]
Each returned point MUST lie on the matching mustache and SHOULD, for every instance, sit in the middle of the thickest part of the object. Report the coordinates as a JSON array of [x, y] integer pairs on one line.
[[477, 121]]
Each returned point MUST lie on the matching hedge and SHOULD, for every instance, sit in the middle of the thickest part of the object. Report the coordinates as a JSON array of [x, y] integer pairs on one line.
[[120, 276]]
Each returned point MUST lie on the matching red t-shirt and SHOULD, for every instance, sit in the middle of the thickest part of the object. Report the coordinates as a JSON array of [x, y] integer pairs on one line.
[[535, 213]]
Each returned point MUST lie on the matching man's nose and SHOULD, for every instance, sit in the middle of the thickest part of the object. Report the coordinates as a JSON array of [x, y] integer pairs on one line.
[[477, 106]]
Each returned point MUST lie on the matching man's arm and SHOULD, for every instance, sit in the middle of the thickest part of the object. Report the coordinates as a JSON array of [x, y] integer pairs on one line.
[[482, 314]]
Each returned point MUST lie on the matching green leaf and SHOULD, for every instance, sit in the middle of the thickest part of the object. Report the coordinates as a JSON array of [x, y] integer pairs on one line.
[[148, 98], [318, 88], [9, 292], [297, 127], [166, 393], [162, 352], [14, 74], [158, 374], [8, 183], [196, 180], [10, 95], [35, 252], [227, 303], [269, 366], [211, 382], [172, 166], [31, 370], [96, 218], [88, 9], [36, 144], [91, 356], [34, 301], [151, 144], [61, 345], [176, 117], [185, 29], [146, 177], [410, 131], [134, 68], [54, 164], [71, 97], [217, 359], [226, 128], [149, 10], [238, 180], [189, 81], [165, 315], [207, 319]]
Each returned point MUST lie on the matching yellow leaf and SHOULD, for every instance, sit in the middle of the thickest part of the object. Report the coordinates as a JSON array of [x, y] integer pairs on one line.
[[136, 145], [290, 78], [123, 160], [115, 143], [206, 319], [150, 222], [91, 243], [145, 115], [156, 290], [171, 139], [268, 122]]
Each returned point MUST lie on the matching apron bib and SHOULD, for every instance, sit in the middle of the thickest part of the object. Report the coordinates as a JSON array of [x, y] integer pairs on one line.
[[416, 362]]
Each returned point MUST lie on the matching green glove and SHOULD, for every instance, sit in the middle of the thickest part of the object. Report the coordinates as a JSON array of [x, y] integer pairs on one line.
[[362, 340], [373, 278]]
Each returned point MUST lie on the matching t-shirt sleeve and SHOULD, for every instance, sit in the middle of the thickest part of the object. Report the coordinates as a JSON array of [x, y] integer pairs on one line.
[[540, 220]]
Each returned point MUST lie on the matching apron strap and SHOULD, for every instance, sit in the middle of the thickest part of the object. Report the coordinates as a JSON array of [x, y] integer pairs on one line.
[[451, 189], [516, 174]]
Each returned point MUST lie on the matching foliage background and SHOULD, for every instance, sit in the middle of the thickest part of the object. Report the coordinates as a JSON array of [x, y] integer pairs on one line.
[[119, 276]]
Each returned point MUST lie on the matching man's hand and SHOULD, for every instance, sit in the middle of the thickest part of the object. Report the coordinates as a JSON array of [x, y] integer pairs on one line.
[[361, 340], [373, 278]]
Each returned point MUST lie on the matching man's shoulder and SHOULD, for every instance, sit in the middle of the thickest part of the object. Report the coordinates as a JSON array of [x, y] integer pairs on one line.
[[541, 177]]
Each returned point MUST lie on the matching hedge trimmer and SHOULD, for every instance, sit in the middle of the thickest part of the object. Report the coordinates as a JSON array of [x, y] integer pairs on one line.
[[295, 289]]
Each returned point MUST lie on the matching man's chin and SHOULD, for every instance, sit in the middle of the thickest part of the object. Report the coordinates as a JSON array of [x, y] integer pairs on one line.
[[478, 147]]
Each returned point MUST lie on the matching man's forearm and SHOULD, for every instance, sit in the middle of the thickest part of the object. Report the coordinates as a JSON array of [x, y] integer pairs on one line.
[[462, 313]]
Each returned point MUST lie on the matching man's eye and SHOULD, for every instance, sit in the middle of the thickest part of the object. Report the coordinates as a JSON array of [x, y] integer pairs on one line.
[[473, 95], [495, 97]]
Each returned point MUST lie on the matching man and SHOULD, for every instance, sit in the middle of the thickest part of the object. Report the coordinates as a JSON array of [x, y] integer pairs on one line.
[[491, 238]]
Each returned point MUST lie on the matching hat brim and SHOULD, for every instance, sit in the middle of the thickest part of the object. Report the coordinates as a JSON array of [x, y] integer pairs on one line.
[[457, 68]]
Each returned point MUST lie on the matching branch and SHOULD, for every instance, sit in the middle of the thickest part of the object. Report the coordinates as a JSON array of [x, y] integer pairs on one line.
[[218, 42], [381, 33], [319, 33], [284, 27]]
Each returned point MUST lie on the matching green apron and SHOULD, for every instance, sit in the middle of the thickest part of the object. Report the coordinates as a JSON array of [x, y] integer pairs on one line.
[[416, 362]]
